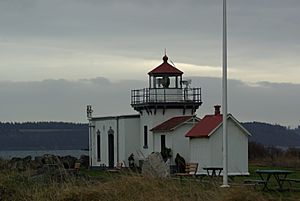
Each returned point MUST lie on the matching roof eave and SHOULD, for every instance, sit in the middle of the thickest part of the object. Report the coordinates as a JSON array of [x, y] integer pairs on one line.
[[197, 136], [235, 121], [239, 124], [175, 127], [196, 118], [164, 73]]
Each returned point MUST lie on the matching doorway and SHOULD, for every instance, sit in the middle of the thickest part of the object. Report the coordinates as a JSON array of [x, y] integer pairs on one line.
[[111, 153], [162, 142]]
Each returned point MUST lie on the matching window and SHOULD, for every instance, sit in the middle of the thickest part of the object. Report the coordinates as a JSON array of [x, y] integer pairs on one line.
[[98, 146], [145, 137], [162, 142]]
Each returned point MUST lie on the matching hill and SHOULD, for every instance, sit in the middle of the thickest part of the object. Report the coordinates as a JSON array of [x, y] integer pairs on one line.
[[43, 136], [273, 135], [62, 135]]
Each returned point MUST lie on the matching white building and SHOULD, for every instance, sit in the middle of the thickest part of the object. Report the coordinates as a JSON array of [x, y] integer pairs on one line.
[[113, 139], [166, 113], [205, 142]]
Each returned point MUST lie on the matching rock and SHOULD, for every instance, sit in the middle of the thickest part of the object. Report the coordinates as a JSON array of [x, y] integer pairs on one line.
[[84, 161], [27, 159], [154, 166], [36, 164], [16, 164], [39, 160], [20, 164], [68, 161], [50, 159]]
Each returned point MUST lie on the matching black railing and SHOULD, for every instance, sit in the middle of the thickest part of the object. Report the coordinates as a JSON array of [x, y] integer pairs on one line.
[[165, 95]]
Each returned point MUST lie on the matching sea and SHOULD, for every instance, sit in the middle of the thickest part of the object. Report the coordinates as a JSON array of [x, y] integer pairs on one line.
[[8, 154]]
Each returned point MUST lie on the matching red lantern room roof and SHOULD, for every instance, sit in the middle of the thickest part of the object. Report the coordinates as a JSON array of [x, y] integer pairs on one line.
[[165, 69]]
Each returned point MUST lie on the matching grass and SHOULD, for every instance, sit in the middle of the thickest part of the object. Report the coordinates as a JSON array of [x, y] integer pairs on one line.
[[94, 185]]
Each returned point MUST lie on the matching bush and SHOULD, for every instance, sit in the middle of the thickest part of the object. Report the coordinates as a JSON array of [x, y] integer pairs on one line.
[[273, 156]]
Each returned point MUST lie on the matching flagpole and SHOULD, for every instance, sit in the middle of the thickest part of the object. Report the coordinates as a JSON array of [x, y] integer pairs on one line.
[[224, 99]]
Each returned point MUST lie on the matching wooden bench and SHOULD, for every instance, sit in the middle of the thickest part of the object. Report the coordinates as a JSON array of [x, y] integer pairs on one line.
[[190, 170], [118, 168], [74, 170]]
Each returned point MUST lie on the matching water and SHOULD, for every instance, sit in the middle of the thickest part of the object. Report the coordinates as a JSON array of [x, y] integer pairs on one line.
[[33, 153], [284, 148]]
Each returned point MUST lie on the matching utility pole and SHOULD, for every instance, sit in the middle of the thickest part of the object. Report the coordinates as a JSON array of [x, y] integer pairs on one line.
[[224, 99]]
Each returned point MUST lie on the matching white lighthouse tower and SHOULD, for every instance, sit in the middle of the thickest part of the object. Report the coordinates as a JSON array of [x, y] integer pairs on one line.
[[167, 96], [167, 103]]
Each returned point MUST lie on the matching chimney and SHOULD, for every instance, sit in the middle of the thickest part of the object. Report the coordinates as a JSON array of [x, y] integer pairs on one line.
[[217, 109]]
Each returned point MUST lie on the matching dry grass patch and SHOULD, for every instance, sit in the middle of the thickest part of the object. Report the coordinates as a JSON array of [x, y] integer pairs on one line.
[[20, 186], [138, 188]]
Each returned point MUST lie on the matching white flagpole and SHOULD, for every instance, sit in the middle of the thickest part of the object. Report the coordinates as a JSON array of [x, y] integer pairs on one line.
[[224, 99]]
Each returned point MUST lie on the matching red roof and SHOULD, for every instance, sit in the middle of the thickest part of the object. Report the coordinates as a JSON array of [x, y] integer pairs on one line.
[[165, 68], [204, 127], [170, 124]]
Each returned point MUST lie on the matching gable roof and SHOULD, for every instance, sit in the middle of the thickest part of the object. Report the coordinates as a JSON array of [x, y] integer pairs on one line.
[[172, 124], [165, 68], [209, 124], [204, 127]]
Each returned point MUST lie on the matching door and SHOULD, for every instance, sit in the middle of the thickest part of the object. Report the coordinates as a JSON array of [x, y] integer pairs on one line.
[[111, 153], [162, 142]]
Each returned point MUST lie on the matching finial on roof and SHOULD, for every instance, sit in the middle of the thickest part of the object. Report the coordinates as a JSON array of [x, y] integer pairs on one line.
[[165, 58]]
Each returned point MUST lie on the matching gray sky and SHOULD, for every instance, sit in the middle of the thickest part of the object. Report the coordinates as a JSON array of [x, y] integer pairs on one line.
[[50, 44], [66, 100]]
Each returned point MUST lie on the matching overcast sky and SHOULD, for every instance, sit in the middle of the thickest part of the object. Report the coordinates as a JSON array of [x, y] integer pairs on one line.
[[48, 47]]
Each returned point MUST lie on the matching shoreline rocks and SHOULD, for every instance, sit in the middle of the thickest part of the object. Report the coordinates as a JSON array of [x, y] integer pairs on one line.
[[22, 164]]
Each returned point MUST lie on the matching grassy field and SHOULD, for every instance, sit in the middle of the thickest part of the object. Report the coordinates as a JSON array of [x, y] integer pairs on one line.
[[93, 185]]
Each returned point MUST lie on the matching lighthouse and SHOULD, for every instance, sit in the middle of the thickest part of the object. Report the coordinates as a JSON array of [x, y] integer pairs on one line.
[[168, 95], [165, 111], [165, 121]]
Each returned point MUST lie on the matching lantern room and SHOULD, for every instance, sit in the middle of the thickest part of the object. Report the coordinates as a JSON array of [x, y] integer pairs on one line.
[[165, 76], [166, 89]]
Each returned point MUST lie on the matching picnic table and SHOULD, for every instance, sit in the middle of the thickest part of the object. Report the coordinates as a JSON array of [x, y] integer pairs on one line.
[[279, 175], [213, 171]]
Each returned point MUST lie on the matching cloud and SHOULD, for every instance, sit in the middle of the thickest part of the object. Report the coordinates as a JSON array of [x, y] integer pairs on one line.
[[52, 35], [65, 100], [261, 101]]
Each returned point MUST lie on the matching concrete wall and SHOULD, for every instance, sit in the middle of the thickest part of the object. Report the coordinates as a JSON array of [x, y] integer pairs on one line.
[[132, 139], [200, 152], [152, 120], [238, 143], [208, 151], [175, 140], [103, 126], [126, 139], [181, 143]]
